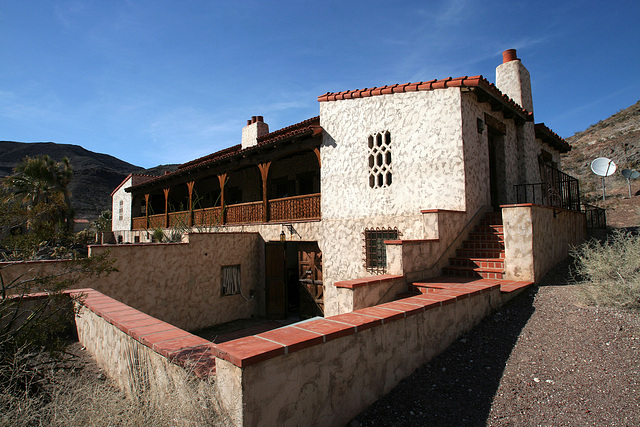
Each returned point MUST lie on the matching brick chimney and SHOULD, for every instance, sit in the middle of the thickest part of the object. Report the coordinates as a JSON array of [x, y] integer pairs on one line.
[[513, 79], [255, 128]]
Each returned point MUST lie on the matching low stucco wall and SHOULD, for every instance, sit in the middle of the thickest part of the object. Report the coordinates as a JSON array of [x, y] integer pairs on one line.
[[537, 237], [179, 283], [333, 381], [154, 363], [369, 291]]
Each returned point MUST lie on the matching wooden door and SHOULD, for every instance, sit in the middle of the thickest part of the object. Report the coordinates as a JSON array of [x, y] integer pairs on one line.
[[310, 274], [275, 280]]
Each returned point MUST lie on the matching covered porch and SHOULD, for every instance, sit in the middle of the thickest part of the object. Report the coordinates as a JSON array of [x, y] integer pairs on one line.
[[277, 180]]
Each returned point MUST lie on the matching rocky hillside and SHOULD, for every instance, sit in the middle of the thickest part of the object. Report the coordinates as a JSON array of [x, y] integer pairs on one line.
[[618, 138], [95, 175]]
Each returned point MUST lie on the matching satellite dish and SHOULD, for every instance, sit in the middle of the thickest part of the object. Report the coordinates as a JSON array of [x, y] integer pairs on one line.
[[603, 167], [630, 174]]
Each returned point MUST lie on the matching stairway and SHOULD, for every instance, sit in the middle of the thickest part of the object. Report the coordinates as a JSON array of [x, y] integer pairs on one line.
[[480, 257]]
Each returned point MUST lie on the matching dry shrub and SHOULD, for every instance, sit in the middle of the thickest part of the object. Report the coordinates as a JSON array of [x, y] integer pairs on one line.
[[78, 394], [609, 271]]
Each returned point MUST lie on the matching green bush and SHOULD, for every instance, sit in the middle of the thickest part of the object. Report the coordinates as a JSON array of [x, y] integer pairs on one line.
[[609, 272]]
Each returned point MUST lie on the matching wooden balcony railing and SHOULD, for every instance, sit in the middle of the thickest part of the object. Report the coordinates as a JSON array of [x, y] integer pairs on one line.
[[294, 208], [157, 221], [139, 223], [244, 213], [207, 217], [179, 219], [285, 209]]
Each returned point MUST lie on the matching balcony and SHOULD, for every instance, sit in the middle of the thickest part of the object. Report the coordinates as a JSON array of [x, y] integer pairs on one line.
[[306, 207]]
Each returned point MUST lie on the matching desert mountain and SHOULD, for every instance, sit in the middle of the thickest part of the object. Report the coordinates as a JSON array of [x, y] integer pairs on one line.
[[96, 175], [618, 138]]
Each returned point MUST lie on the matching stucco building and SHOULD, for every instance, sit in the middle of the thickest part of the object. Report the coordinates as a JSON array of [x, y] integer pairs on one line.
[[383, 190]]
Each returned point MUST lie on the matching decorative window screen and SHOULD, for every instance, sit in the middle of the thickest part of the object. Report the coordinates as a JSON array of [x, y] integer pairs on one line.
[[375, 250], [230, 279], [380, 173], [121, 210]]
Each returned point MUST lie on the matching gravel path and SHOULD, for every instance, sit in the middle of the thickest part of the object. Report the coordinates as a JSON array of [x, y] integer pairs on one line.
[[541, 360]]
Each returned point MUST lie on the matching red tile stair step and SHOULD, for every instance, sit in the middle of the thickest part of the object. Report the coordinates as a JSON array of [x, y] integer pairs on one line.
[[481, 256]]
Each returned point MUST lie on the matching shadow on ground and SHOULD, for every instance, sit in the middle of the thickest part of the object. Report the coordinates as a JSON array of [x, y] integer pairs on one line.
[[458, 386]]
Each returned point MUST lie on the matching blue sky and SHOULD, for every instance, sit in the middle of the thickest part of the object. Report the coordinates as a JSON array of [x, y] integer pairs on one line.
[[155, 82]]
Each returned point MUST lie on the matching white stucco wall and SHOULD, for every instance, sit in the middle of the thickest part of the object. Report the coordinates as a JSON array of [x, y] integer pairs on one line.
[[126, 198], [428, 173]]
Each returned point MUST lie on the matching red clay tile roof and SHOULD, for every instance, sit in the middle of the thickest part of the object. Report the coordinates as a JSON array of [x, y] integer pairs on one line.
[[215, 155], [307, 127], [466, 81], [137, 179], [551, 138], [312, 124]]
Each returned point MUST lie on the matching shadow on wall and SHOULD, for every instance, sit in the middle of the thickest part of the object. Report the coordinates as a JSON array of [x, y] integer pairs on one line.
[[457, 387]]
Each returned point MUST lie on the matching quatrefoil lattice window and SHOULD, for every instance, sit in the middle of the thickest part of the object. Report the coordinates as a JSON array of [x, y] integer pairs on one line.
[[380, 173]]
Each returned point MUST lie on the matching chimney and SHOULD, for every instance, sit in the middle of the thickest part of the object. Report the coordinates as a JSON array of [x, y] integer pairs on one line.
[[513, 79], [255, 128]]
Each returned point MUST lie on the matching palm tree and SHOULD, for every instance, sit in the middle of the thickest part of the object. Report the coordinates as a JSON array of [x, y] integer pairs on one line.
[[40, 180]]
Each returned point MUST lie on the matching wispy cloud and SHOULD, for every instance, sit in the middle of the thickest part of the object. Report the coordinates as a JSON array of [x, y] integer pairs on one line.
[[68, 13]]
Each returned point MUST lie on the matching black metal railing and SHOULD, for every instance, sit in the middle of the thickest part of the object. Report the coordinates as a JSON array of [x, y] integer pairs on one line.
[[557, 189], [596, 217]]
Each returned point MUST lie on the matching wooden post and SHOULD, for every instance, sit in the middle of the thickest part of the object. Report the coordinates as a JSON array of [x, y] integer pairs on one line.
[[166, 207], [264, 172], [190, 187], [146, 210], [317, 151], [222, 178]]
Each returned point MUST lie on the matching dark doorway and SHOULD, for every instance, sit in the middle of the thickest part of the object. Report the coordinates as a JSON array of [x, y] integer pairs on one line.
[[275, 274], [293, 280], [497, 169]]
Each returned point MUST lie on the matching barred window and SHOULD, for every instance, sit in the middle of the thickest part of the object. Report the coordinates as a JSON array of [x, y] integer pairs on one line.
[[121, 210], [374, 249], [230, 280], [380, 173]]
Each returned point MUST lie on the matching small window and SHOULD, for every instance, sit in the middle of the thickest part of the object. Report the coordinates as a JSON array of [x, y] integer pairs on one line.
[[374, 248], [380, 173], [230, 280], [121, 211]]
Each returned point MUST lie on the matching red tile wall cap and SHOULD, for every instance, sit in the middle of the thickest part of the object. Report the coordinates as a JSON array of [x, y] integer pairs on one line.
[[367, 281], [248, 351], [359, 321], [387, 315], [294, 339], [328, 328], [424, 211], [163, 338]]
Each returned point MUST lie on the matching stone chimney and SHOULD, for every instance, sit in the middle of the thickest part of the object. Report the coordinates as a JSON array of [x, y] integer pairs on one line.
[[254, 129], [513, 79]]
